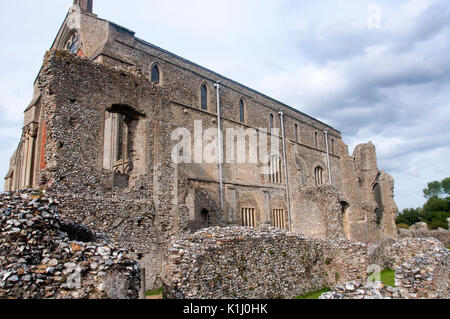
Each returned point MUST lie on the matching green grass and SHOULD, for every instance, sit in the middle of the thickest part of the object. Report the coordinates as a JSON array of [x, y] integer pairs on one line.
[[448, 247], [388, 277], [154, 292], [314, 294]]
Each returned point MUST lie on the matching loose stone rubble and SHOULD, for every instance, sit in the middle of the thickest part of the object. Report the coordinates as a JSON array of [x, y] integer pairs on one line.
[[42, 256]]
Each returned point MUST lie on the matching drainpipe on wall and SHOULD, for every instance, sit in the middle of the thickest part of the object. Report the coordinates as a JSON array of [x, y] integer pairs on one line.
[[220, 144], [288, 200], [330, 178]]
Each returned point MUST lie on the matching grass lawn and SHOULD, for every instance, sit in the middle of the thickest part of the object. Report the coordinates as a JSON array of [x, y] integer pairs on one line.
[[154, 292], [314, 294], [388, 277]]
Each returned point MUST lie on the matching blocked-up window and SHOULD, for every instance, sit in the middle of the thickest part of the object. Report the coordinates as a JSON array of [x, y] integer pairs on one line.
[[275, 170], [248, 216], [279, 218]]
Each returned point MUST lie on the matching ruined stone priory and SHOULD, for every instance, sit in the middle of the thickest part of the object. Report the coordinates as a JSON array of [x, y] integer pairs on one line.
[[126, 134]]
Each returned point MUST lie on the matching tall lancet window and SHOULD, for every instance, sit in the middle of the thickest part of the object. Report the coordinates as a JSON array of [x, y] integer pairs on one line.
[[155, 74], [241, 111], [204, 97]]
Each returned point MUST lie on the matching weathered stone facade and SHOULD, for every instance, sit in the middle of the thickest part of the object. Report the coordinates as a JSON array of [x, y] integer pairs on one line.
[[99, 130]]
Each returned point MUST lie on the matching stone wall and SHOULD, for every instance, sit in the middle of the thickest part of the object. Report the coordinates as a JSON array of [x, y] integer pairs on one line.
[[43, 256], [238, 262]]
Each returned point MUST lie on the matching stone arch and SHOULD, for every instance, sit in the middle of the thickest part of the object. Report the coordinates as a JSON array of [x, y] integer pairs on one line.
[[207, 212], [247, 201]]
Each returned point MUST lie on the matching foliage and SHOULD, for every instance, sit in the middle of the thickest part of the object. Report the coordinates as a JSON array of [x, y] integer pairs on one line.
[[437, 188], [409, 216], [402, 225], [314, 294]]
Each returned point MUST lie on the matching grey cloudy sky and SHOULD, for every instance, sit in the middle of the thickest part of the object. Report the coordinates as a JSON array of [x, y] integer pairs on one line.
[[388, 83]]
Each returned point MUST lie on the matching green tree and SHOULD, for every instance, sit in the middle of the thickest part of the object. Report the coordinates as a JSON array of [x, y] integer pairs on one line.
[[409, 216], [446, 186], [434, 189]]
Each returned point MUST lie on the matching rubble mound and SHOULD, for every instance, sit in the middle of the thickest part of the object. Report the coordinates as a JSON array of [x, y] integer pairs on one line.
[[43, 256]]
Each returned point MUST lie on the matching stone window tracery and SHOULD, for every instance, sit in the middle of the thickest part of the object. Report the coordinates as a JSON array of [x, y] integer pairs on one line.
[[116, 146], [73, 44]]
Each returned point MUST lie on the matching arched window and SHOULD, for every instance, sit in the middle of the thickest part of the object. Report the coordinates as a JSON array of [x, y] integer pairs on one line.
[[155, 74], [241, 111], [318, 173], [316, 140], [204, 97]]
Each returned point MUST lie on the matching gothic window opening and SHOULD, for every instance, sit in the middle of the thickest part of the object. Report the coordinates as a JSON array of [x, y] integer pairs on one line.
[[241, 111], [318, 173], [155, 76], [275, 170], [120, 129], [204, 97], [316, 140], [248, 216], [279, 218], [332, 146]]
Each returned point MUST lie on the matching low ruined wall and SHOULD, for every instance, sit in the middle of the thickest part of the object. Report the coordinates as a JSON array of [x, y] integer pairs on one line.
[[441, 235], [238, 262]]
